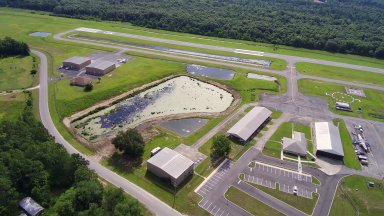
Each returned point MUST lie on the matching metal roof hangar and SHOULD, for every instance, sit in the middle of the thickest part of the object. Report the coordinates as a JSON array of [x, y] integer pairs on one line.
[[297, 145], [327, 140], [30, 207], [76, 62], [100, 68], [169, 164], [250, 123]]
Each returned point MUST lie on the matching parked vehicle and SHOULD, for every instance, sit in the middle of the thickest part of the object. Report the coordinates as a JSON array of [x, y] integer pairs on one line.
[[295, 190], [362, 157], [364, 162]]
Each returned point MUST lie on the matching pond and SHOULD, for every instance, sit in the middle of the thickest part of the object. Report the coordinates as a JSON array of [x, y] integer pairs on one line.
[[184, 127], [211, 72], [180, 95], [40, 34]]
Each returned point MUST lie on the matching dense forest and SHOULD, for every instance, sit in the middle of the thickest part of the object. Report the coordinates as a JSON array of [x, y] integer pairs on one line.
[[11, 47], [32, 164], [345, 26]]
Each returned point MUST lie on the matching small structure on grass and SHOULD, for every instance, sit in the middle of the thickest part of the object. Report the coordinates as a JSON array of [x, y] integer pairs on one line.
[[30, 207], [170, 165], [250, 123], [297, 145], [81, 81], [327, 140], [100, 68], [76, 63]]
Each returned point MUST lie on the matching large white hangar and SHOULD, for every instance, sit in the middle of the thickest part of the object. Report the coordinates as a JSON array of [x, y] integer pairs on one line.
[[250, 123], [169, 164], [327, 140]]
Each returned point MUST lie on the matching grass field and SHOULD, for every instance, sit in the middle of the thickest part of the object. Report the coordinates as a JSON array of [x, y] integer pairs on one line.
[[12, 106], [273, 146], [353, 193], [15, 73], [301, 203], [340, 73], [371, 104], [249, 203], [350, 159]]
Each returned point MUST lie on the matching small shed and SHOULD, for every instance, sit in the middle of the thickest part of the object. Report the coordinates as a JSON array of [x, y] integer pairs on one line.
[[296, 145], [100, 68], [30, 207], [169, 164], [76, 62], [81, 81]]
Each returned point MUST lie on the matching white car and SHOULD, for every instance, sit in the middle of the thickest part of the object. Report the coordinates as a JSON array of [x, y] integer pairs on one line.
[[295, 190]]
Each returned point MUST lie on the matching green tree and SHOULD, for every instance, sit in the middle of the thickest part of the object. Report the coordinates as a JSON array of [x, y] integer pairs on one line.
[[112, 196], [88, 87], [87, 192], [221, 147], [127, 207], [131, 142]]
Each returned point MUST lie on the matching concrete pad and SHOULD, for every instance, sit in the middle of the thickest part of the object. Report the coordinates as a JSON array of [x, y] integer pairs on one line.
[[191, 153]]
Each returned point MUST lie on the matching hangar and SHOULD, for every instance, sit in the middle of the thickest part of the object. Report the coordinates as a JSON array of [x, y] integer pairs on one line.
[[76, 63], [296, 145], [169, 164], [327, 140], [100, 68], [250, 123]]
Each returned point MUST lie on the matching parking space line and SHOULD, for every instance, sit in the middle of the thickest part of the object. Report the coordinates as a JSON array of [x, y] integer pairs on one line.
[[222, 212], [217, 211], [209, 206], [205, 203]]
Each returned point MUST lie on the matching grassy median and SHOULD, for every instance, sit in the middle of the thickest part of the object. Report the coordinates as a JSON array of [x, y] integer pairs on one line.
[[249, 203]]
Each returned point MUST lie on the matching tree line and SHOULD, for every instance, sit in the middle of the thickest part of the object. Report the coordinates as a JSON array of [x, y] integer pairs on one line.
[[12, 47], [353, 26], [32, 164]]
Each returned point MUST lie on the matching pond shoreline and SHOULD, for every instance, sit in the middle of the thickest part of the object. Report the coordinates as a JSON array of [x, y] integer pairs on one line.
[[147, 123]]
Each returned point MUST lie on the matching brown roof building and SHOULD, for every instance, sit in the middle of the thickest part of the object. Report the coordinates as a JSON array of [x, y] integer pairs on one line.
[[80, 81]]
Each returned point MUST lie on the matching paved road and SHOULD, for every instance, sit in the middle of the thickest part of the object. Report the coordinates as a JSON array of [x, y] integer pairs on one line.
[[150, 201]]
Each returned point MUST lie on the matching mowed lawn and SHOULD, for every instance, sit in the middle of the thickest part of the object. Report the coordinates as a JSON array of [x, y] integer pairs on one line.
[[134, 73], [372, 103], [353, 193], [11, 106], [303, 204], [249, 203], [15, 73], [340, 73], [350, 159]]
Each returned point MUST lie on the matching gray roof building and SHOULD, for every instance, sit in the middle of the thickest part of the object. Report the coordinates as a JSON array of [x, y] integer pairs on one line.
[[171, 165], [76, 62], [100, 68], [248, 125], [327, 140], [296, 145], [30, 207]]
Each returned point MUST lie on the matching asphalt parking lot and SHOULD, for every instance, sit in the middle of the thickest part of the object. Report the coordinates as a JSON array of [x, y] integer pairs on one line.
[[214, 179], [206, 203], [268, 176]]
